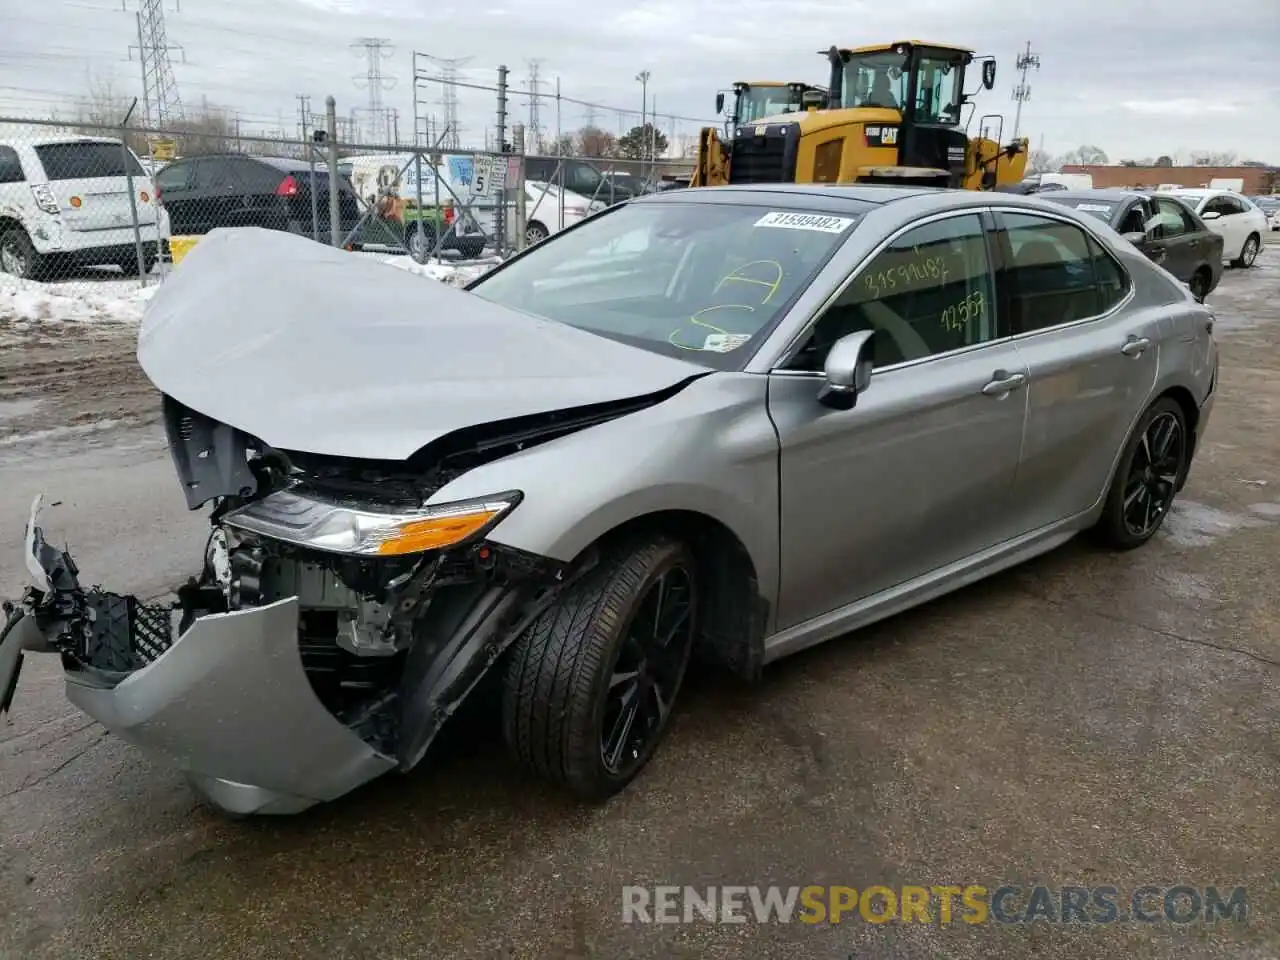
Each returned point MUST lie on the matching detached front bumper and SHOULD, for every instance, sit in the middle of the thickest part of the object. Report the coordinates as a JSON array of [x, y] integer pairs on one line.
[[262, 707], [229, 705]]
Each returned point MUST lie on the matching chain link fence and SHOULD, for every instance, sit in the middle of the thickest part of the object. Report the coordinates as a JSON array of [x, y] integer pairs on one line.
[[82, 205]]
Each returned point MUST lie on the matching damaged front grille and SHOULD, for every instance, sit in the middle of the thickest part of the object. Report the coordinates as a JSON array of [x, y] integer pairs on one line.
[[121, 633]]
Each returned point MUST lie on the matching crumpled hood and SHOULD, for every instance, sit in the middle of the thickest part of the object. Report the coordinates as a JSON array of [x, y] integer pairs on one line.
[[314, 349]]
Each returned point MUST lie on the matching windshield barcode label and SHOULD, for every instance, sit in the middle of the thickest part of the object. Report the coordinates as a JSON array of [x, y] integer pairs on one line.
[[804, 221]]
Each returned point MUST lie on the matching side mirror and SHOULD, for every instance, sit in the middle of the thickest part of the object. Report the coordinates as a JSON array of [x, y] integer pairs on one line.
[[1136, 237], [720, 102], [1211, 215], [988, 74], [847, 370]]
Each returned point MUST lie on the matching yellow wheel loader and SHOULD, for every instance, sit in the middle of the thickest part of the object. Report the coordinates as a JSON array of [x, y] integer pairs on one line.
[[893, 115], [752, 100]]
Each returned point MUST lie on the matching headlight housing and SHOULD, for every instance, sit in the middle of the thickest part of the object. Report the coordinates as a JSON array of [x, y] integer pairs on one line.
[[369, 531]]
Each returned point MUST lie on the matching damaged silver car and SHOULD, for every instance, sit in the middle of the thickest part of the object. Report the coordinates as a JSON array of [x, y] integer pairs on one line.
[[726, 424]]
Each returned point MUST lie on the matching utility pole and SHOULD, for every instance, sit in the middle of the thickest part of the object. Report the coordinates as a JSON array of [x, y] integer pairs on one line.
[[643, 77], [375, 50], [1022, 92], [533, 130], [304, 116], [331, 131], [500, 220], [159, 88]]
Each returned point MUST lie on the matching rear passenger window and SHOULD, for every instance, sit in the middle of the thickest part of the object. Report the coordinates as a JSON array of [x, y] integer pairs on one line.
[[928, 292], [1050, 277]]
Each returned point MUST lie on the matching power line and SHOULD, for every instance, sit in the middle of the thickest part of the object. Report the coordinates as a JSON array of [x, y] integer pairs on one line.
[[159, 87], [1022, 92]]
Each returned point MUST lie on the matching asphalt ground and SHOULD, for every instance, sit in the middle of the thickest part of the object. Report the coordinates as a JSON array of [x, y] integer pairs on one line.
[[1088, 719]]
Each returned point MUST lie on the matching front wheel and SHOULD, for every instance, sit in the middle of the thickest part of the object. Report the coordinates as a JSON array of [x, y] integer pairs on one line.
[[590, 686], [1149, 474], [18, 255], [1249, 252]]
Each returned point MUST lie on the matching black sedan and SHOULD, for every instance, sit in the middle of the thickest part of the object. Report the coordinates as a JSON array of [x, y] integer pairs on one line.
[[1165, 230]]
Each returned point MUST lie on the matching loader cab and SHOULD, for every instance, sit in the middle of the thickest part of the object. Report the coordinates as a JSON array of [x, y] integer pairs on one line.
[[925, 84], [752, 101]]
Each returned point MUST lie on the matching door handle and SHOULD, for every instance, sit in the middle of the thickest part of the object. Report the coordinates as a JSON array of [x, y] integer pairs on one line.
[[1135, 346], [1004, 382]]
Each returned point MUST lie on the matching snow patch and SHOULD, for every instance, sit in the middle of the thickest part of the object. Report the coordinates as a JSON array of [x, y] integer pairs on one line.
[[454, 273], [26, 301]]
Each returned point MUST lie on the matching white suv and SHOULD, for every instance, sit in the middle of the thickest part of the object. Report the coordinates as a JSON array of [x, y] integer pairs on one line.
[[65, 200]]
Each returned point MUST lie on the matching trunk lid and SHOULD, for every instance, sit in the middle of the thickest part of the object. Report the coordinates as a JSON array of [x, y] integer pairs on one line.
[[317, 350], [90, 180]]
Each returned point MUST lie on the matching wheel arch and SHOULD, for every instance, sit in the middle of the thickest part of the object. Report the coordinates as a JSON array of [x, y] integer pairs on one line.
[[1185, 399], [734, 614]]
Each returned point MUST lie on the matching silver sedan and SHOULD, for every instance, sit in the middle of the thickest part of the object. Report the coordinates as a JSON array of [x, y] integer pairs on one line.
[[727, 423]]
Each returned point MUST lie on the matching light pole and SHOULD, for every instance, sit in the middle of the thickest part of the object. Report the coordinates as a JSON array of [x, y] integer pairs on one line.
[[643, 77]]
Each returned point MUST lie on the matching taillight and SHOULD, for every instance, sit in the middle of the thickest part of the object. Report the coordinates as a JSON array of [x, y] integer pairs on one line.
[[288, 187]]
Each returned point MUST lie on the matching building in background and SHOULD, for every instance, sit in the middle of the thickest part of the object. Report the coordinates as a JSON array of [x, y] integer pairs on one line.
[[1255, 180]]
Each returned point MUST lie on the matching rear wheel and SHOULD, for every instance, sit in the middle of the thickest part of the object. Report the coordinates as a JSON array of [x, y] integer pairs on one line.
[[1199, 283], [535, 233], [471, 247], [1148, 476], [18, 255], [419, 240], [1249, 252], [590, 686], [129, 264]]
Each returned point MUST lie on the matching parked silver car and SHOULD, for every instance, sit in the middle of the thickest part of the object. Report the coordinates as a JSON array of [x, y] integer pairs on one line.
[[728, 423]]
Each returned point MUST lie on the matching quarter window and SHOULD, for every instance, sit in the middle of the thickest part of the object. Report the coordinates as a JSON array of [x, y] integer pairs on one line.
[[1057, 273], [929, 292]]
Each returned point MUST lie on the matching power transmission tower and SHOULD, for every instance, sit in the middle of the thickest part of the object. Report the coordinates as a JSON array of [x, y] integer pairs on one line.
[[534, 129], [590, 115], [449, 97], [159, 88], [1022, 92], [375, 50]]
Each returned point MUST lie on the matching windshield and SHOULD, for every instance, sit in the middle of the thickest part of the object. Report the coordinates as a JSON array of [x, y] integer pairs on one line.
[[757, 102], [938, 91], [701, 281], [875, 80], [86, 160]]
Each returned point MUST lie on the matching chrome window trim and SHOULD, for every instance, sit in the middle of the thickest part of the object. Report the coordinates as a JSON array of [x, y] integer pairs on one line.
[[786, 354]]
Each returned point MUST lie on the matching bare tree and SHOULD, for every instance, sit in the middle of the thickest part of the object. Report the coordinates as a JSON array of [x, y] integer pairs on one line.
[[594, 142], [1041, 161], [1213, 158]]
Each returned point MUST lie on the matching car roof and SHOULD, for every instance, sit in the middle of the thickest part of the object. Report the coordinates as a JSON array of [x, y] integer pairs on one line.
[[1116, 195], [70, 138], [848, 197]]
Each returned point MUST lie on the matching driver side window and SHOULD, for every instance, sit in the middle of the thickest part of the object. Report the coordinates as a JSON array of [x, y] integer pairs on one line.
[[927, 293]]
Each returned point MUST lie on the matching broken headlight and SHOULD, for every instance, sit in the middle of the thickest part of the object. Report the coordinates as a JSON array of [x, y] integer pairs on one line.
[[366, 530]]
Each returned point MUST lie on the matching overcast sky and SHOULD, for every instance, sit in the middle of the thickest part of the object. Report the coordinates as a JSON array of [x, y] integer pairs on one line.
[[1192, 76]]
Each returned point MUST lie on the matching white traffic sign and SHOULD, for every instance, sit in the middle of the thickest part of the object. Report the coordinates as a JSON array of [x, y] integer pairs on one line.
[[482, 176]]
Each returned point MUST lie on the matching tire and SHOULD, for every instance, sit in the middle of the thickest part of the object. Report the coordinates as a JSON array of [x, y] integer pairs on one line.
[[18, 255], [419, 240], [1199, 283], [1132, 476], [1249, 252], [471, 248], [130, 264], [535, 232], [561, 706]]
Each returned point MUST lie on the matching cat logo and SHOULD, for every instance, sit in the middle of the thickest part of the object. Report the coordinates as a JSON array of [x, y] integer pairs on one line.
[[760, 130]]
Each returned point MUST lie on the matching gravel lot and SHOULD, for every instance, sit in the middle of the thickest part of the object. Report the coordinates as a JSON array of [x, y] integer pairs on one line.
[[1085, 719]]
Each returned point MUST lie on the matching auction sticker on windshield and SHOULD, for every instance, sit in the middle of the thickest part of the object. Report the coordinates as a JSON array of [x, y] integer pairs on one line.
[[804, 221], [1094, 207], [724, 342]]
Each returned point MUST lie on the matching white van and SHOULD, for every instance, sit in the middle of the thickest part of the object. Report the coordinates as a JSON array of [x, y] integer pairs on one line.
[[65, 199], [1060, 181]]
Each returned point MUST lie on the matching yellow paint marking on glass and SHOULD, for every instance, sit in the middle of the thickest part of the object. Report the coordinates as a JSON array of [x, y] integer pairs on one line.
[[903, 275], [958, 315], [671, 338], [773, 285]]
